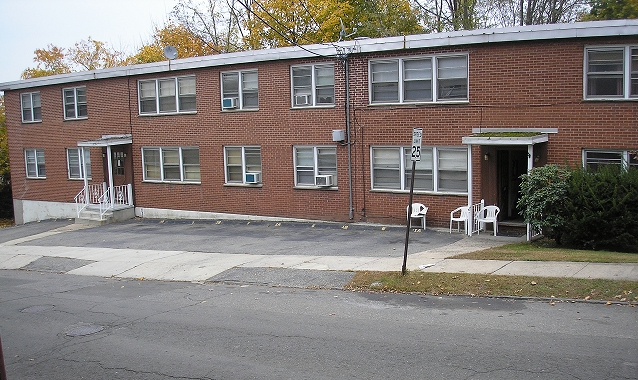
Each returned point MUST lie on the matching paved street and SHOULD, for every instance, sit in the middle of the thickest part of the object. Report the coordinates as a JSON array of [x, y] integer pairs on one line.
[[60, 327]]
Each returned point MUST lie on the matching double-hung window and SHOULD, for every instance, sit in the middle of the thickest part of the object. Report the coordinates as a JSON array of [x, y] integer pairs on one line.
[[611, 72], [167, 95], [441, 169], [34, 161], [313, 85], [243, 164], [31, 107], [75, 103], [315, 161], [595, 159], [171, 164], [75, 164], [240, 90], [419, 79]]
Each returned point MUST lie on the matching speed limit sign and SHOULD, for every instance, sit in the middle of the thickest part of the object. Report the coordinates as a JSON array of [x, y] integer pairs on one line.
[[417, 135]]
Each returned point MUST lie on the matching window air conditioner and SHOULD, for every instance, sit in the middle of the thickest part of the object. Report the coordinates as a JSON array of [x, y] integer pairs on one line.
[[323, 180], [229, 103], [302, 100], [253, 177]]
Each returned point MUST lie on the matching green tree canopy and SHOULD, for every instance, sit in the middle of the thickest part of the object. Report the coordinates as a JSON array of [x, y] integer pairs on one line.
[[612, 10]]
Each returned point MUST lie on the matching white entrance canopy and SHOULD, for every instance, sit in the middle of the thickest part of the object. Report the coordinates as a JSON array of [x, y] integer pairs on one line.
[[105, 141], [108, 140]]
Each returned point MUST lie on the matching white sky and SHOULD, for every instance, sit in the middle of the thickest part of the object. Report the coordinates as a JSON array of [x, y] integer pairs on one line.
[[27, 25]]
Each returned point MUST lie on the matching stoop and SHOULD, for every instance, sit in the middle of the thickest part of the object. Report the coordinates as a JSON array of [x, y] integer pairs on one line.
[[91, 215]]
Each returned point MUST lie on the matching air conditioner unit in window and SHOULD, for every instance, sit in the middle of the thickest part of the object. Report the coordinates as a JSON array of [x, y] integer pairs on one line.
[[323, 180], [253, 177], [229, 103], [302, 100]]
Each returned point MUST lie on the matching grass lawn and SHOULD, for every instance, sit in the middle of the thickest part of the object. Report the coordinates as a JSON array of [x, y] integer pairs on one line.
[[492, 285], [521, 286], [546, 250]]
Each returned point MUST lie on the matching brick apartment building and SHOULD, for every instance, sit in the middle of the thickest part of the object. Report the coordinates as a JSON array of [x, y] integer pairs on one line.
[[323, 132]]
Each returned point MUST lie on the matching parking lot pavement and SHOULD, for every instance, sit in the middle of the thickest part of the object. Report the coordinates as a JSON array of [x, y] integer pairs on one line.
[[30, 229], [243, 237]]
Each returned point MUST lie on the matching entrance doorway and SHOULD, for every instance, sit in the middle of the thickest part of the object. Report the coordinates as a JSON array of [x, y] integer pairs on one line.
[[512, 163]]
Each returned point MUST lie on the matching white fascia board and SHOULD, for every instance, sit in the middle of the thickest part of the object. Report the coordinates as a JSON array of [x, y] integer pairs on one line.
[[590, 29], [476, 140]]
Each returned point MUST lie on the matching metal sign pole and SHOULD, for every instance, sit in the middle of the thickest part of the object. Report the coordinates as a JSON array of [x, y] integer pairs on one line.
[[417, 134]]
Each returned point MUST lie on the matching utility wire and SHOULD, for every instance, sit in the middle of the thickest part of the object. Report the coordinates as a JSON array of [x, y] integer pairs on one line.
[[286, 38]]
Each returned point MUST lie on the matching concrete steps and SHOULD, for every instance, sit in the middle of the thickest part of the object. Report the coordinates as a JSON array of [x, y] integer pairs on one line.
[[91, 215]]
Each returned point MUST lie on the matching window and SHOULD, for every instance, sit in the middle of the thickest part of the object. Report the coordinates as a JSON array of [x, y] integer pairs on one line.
[[168, 95], [311, 162], [75, 165], [611, 72], [239, 90], [313, 85], [440, 169], [595, 159], [75, 103], [34, 160], [239, 161], [31, 107], [174, 164], [412, 80]]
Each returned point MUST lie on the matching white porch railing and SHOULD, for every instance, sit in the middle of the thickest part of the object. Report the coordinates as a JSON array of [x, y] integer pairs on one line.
[[100, 194], [476, 208]]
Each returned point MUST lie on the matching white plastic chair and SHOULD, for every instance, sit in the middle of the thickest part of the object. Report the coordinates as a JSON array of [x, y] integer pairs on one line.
[[464, 216], [418, 212], [488, 214]]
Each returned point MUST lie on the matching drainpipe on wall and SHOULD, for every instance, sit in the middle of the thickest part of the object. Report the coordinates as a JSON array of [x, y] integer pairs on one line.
[[347, 73]]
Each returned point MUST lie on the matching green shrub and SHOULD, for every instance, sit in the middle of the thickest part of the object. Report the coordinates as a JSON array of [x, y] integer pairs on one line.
[[602, 209], [544, 192]]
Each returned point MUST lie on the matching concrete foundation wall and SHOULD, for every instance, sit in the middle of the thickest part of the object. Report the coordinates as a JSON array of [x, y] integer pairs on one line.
[[32, 211]]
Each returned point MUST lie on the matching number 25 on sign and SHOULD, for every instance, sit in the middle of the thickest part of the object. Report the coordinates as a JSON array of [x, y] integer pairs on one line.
[[417, 135]]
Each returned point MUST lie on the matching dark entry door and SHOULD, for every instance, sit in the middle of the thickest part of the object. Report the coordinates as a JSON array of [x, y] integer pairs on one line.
[[121, 165], [511, 165]]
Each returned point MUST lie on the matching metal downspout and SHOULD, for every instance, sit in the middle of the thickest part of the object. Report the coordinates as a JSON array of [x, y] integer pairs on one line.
[[348, 141]]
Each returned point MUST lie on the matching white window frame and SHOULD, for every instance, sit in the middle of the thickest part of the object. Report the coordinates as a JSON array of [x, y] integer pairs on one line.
[[79, 105], [79, 166], [163, 166], [245, 166], [404, 167], [242, 90], [35, 113], [435, 79], [316, 170], [312, 91], [178, 94], [39, 166], [627, 158], [626, 73]]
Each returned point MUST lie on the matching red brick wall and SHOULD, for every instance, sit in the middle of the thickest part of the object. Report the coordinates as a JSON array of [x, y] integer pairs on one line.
[[512, 85]]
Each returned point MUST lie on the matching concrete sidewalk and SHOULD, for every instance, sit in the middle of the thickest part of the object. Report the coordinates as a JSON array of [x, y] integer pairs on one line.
[[196, 266]]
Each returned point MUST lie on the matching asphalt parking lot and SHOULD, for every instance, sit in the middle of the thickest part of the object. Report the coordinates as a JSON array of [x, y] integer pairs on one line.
[[241, 237]]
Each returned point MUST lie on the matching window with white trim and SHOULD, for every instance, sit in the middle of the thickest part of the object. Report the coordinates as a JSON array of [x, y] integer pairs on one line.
[[419, 79], [611, 72], [441, 169], [75, 103], [171, 164], [167, 95], [31, 107], [313, 161], [596, 158], [34, 162], [75, 165], [240, 90], [242, 160], [313, 85]]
